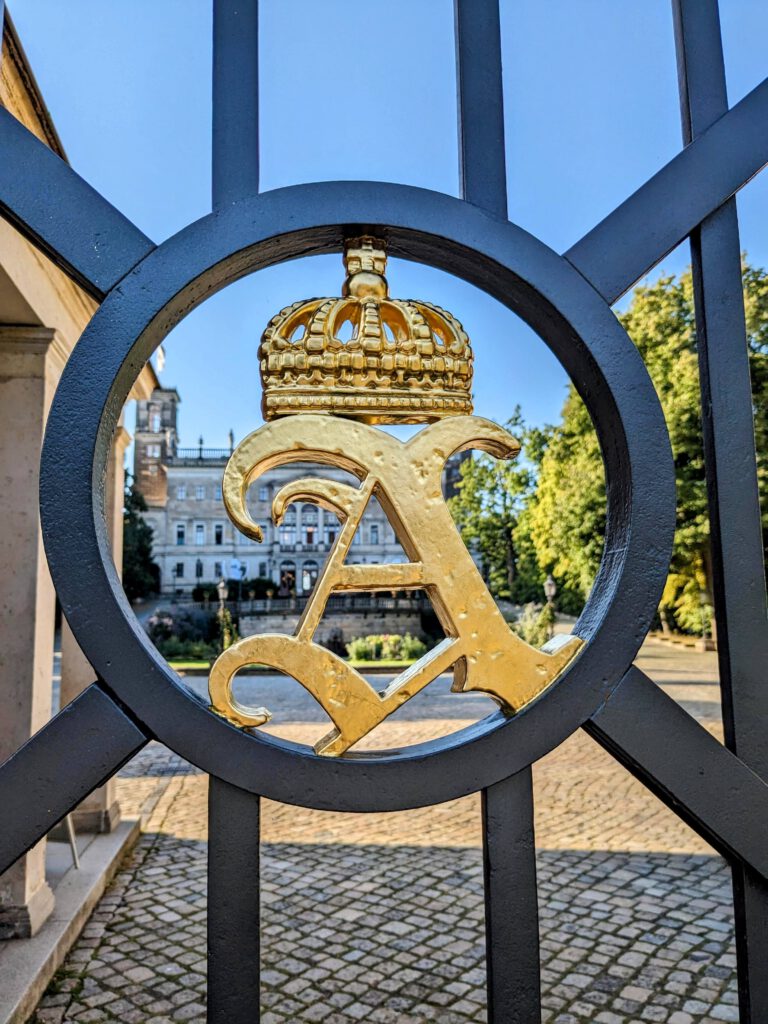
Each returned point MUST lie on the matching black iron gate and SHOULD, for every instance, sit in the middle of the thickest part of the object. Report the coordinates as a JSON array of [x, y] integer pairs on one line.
[[144, 290]]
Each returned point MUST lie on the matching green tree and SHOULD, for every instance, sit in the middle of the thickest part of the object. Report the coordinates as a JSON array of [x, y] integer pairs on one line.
[[491, 495], [566, 514], [140, 573]]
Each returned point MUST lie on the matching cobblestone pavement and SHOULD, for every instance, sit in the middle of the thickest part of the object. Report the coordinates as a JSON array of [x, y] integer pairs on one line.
[[379, 917]]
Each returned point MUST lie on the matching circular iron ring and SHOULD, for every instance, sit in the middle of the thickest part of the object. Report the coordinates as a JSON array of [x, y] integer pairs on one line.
[[501, 259]]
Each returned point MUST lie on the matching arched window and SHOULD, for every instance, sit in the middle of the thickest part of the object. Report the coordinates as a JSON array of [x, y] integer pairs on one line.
[[287, 578], [308, 576]]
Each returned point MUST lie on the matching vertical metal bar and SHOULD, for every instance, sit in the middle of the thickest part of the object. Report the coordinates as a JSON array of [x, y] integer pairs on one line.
[[511, 902], [234, 976], [482, 158], [235, 100], [233, 905], [738, 574]]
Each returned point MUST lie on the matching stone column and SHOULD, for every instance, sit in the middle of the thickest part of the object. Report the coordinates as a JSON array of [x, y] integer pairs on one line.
[[31, 360], [100, 811]]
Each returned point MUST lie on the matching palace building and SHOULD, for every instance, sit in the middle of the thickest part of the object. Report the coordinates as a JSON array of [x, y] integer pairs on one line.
[[405, 361], [194, 541]]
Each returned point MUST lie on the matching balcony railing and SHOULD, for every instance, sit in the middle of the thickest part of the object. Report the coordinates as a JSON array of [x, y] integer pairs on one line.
[[198, 455], [337, 604]]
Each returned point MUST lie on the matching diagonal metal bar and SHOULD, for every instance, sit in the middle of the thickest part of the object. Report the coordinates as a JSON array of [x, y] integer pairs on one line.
[[643, 229], [78, 750], [736, 542], [62, 215], [685, 767], [235, 100], [482, 156]]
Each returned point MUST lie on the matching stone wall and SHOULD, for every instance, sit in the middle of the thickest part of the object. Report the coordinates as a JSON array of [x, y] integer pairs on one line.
[[352, 624]]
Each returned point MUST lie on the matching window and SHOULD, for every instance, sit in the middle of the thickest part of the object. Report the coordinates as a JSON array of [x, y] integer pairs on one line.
[[287, 578], [218, 570], [217, 492], [199, 534], [199, 492], [288, 534], [153, 451], [309, 524], [263, 569], [199, 569], [374, 533], [155, 422], [218, 534], [357, 536], [181, 492], [308, 576], [181, 538], [179, 570], [263, 493], [288, 529], [331, 529]]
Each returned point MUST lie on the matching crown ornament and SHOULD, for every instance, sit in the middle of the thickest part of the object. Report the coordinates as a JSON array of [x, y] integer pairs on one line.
[[365, 355]]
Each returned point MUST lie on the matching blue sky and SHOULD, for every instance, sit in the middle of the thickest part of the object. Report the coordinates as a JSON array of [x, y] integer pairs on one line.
[[363, 90]]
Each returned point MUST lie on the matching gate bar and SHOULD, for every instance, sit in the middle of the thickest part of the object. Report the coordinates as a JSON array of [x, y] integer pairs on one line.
[[235, 155], [729, 447], [509, 869], [79, 749], [640, 232], [482, 157], [509, 855], [62, 215], [234, 967], [683, 764]]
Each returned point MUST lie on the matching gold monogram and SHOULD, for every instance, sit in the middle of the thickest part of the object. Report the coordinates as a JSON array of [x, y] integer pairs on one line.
[[405, 478]]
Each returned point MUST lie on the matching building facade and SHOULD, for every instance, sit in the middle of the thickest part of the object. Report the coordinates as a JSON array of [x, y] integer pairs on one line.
[[194, 541]]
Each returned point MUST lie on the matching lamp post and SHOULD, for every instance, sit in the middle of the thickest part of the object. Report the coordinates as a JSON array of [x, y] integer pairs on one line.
[[223, 590], [705, 644], [550, 589]]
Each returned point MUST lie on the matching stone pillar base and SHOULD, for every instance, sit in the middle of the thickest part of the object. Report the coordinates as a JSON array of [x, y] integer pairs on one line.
[[96, 819], [25, 921], [706, 644]]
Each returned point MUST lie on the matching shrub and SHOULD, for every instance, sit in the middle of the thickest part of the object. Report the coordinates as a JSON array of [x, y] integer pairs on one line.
[[186, 650], [386, 647], [412, 647], [187, 633], [360, 649], [534, 624]]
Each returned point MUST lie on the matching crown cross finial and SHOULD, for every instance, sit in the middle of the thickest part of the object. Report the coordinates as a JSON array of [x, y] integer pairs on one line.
[[365, 260], [365, 355]]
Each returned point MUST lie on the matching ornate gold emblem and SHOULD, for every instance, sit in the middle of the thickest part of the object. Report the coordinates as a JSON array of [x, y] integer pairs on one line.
[[422, 373]]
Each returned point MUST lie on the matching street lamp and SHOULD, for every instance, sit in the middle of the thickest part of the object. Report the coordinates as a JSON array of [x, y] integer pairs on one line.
[[550, 589], [223, 590]]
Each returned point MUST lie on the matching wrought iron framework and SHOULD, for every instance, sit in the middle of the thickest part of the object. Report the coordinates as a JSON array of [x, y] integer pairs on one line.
[[145, 289]]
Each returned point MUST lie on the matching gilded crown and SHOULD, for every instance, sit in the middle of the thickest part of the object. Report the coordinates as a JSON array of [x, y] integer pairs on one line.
[[404, 361]]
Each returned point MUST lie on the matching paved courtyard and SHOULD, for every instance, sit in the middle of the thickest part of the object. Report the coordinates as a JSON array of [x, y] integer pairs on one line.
[[380, 918]]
